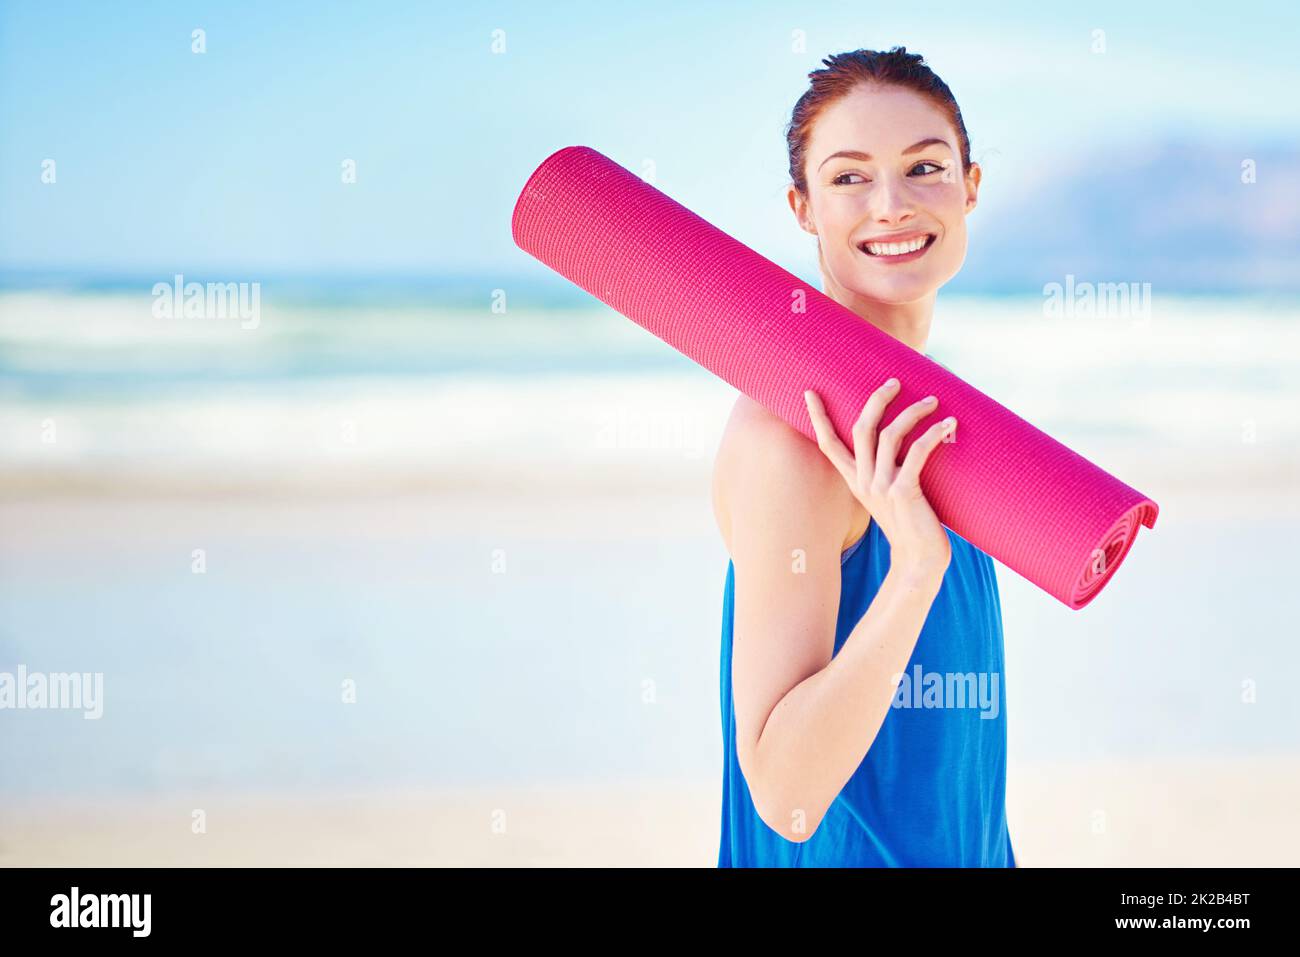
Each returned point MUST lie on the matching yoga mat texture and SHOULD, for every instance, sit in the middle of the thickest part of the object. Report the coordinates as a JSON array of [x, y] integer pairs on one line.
[[1008, 488]]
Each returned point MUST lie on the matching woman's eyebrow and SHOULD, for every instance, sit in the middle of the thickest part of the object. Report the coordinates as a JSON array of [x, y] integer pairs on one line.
[[865, 157]]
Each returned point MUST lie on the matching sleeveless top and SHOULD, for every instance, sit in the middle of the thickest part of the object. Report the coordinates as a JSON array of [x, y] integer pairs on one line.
[[931, 790]]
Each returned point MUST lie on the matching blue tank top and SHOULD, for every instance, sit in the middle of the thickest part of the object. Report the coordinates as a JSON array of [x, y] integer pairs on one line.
[[931, 790]]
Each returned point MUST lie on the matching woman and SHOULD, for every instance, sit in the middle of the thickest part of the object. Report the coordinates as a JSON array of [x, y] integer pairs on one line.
[[843, 588]]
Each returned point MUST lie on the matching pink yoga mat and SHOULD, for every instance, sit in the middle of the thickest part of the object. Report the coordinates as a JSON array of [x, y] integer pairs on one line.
[[1008, 488]]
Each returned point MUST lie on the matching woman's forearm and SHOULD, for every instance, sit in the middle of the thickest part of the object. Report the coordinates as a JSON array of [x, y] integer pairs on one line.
[[822, 728]]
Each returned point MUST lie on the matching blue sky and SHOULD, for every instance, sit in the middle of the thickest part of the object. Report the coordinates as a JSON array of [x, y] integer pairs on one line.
[[169, 160]]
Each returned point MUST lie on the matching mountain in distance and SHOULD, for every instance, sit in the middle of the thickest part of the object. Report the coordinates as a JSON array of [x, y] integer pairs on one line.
[[1177, 215]]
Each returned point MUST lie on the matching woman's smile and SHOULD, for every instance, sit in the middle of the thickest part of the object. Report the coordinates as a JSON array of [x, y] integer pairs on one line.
[[898, 248]]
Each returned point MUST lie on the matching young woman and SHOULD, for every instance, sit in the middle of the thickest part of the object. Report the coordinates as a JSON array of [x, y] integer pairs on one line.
[[843, 587]]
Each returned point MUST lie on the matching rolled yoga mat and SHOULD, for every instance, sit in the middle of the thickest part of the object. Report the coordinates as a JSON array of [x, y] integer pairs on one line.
[[1008, 488]]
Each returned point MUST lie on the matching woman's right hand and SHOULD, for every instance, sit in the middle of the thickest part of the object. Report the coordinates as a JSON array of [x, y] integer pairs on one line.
[[891, 493]]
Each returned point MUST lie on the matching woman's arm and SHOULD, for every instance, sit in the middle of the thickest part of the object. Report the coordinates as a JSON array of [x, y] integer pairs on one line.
[[805, 720]]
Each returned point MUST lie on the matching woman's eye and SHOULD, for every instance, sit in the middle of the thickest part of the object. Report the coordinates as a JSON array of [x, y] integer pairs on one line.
[[839, 180], [938, 168]]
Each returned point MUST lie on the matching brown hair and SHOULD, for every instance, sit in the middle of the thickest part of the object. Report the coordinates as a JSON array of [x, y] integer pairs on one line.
[[846, 71]]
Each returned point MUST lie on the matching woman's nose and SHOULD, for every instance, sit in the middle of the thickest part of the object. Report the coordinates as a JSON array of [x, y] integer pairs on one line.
[[891, 201]]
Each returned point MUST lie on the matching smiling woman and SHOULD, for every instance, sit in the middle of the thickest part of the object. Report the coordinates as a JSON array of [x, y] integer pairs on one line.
[[891, 184], [842, 580]]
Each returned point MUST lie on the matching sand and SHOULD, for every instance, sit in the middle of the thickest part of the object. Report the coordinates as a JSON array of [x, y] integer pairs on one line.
[[1159, 813], [1202, 809]]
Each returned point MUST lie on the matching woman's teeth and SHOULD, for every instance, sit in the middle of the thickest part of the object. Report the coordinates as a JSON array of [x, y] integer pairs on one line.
[[895, 249]]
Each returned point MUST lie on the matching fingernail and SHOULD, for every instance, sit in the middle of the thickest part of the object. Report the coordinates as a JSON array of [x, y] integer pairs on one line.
[[928, 399], [950, 421], [891, 383]]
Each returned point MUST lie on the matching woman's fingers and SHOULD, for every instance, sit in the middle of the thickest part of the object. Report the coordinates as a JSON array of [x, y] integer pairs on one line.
[[827, 440], [910, 473], [892, 435], [864, 430]]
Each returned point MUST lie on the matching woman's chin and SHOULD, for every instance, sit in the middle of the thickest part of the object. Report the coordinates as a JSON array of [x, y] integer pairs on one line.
[[895, 293]]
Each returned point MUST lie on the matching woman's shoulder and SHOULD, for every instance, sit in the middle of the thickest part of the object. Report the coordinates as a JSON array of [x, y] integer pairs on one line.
[[762, 457]]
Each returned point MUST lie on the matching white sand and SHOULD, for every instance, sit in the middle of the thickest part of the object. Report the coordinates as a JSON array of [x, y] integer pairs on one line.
[[1206, 812], [1203, 810]]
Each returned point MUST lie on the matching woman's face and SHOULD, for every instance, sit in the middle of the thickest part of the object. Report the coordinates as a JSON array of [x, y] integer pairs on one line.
[[886, 194]]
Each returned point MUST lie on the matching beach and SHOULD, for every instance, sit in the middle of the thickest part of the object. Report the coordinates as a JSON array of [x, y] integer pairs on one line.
[[568, 756], [448, 614], [1239, 812], [1228, 812]]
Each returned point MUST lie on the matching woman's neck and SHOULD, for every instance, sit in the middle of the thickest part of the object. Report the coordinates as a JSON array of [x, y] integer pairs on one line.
[[908, 322]]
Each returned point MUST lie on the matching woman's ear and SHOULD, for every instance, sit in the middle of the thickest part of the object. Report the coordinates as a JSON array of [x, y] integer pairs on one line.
[[973, 186], [799, 204]]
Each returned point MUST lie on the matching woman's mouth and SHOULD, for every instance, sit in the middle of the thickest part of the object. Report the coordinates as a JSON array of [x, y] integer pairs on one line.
[[903, 250]]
